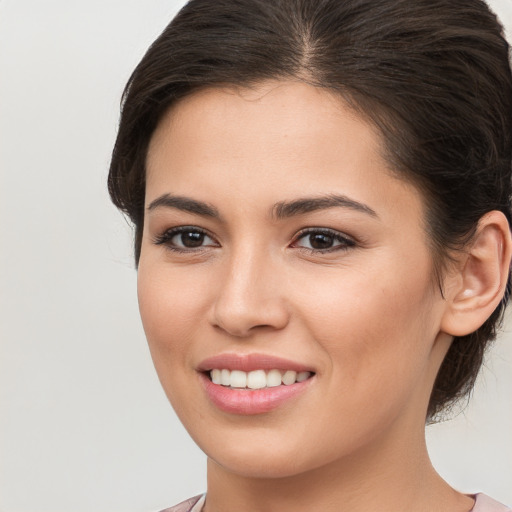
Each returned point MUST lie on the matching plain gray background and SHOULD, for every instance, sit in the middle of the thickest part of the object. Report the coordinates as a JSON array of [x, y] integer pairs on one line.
[[84, 425]]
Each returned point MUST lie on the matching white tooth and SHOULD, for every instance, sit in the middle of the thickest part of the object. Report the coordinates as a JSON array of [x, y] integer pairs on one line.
[[238, 379], [289, 377], [256, 379], [225, 379], [273, 378], [216, 376], [303, 376]]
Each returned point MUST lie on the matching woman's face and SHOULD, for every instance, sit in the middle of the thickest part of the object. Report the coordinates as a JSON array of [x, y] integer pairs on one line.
[[276, 238]]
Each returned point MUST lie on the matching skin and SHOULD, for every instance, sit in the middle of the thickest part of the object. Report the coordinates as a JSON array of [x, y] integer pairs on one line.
[[367, 315]]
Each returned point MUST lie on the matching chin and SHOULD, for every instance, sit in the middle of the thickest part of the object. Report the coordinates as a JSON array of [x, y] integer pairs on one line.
[[266, 454], [259, 465]]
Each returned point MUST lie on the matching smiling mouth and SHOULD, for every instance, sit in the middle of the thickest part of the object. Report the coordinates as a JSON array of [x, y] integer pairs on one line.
[[256, 379]]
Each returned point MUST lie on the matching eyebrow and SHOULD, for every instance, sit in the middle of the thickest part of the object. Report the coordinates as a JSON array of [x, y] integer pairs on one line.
[[185, 204], [301, 206], [281, 210]]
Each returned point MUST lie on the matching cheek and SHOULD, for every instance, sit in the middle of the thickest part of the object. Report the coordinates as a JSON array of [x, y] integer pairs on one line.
[[169, 303], [377, 328], [377, 336]]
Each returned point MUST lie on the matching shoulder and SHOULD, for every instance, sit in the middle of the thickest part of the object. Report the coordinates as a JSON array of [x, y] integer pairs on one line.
[[485, 504], [187, 505]]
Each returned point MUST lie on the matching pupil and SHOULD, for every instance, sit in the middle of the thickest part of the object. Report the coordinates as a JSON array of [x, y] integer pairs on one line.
[[320, 241], [192, 239]]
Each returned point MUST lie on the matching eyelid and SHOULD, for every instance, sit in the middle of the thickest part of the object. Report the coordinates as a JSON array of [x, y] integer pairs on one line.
[[164, 238], [346, 240]]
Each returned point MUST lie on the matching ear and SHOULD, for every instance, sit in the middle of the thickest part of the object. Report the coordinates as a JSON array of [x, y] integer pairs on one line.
[[476, 288]]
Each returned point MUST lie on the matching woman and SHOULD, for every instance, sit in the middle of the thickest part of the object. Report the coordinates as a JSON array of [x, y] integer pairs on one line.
[[321, 198]]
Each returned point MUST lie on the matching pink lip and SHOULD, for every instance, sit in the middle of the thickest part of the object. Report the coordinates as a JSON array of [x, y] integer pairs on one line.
[[247, 401], [250, 362]]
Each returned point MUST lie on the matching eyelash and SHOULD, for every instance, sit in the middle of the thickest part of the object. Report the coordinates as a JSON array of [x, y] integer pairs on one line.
[[345, 242], [166, 237]]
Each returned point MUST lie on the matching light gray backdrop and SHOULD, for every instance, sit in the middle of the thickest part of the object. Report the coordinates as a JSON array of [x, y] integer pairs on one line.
[[84, 425]]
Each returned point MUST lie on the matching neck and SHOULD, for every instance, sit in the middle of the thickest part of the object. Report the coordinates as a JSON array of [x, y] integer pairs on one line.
[[382, 478]]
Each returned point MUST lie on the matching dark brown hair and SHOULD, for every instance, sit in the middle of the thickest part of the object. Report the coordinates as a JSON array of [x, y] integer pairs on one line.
[[433, 75]]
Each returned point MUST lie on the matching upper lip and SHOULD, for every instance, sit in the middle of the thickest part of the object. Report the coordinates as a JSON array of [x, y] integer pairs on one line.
[[251, 362]]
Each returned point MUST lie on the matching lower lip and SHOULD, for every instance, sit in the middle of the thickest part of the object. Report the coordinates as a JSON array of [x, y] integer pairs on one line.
[[249, 401]]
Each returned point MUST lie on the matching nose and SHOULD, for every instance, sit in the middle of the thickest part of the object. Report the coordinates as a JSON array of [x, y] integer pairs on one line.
[[250, 297]]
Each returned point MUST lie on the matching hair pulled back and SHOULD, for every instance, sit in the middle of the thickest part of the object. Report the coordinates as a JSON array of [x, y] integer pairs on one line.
[[432, 75]]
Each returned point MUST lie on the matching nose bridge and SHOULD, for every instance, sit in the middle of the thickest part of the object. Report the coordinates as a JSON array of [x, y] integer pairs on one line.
[[251, 294]]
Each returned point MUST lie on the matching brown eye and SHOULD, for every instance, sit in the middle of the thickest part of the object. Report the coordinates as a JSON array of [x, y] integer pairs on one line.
[[189, 239], [185, 238], [323, 240]]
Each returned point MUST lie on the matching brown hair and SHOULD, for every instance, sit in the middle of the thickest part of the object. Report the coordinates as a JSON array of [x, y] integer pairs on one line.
[[433, 75]]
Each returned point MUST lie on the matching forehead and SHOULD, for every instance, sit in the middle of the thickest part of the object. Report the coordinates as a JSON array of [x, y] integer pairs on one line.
[[288, 120], [270, 143], [281, 108]]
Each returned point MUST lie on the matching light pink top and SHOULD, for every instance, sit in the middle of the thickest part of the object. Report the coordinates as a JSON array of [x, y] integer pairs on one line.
[[485, 504], [482, 504]]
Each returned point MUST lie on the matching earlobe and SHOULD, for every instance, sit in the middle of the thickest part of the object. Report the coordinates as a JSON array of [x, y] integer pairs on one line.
[[481, 277]]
